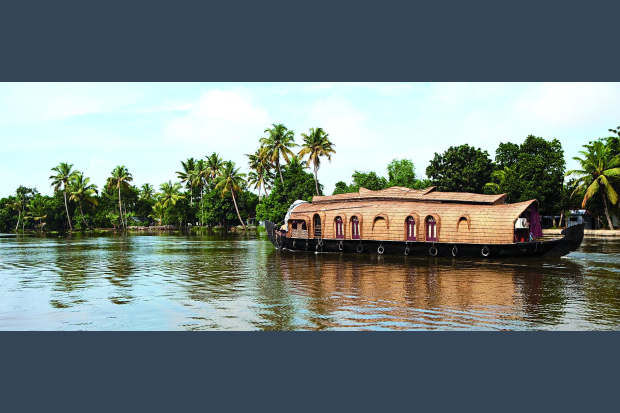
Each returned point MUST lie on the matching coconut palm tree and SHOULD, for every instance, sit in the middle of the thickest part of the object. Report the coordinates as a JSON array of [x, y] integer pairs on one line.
[[82, 191], [253, 181], [296, 162], [214, 166], [188, 176], [316, 145], [278, 145], [231, 181], [597, 174], [36, 211], [17, 204], [120, 179], [259, 162], [170, 194], [201, 176], [147, 191], [159, 211], [500, 176], [64, 173]]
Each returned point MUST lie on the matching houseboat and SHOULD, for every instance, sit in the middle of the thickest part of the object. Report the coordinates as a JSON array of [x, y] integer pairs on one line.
[[425, 222]]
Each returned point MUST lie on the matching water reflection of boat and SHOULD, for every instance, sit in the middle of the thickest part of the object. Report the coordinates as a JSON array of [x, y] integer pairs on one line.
[[343, 291], [405, 221]]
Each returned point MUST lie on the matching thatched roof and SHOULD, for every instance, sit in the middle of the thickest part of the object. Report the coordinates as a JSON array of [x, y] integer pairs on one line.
[[398, 193]]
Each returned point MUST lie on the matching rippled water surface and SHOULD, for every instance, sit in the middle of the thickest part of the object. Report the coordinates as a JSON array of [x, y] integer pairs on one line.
[[240, 282]]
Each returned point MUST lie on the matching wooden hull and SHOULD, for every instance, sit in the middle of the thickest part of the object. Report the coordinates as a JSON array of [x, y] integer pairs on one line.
[[570, 241]]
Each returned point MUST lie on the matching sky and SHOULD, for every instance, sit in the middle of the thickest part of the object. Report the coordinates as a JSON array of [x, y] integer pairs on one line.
[[151, 127]]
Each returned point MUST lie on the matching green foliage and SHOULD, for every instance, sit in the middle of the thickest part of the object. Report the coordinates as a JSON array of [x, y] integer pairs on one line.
[[278, 145], [599, 175], [461, 169], [316, 145], [298, 184], [536, 171], [368, 180], [401, 173], [341, 188], [507, 155]]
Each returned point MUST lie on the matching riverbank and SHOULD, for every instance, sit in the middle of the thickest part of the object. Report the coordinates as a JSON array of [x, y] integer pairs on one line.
[[138, 229], [588, 233]]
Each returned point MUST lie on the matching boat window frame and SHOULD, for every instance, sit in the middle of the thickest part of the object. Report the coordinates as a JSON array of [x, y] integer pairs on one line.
[[338, 220], [314, 235], [415, 228], [358, 221], [426, 231], [467, 219]]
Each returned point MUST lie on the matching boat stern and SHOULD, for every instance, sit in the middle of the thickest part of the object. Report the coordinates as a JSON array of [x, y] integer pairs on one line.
[[573, 236], [273, 233]]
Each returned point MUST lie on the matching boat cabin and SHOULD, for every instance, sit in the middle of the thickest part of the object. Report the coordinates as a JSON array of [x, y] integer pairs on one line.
[[403, 214]]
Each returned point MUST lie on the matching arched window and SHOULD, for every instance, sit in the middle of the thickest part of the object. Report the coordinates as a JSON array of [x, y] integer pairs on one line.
[[339, 228], [411, 230], [463, 225], [317, 226], [431, 229], [355, 228], [380, 229]]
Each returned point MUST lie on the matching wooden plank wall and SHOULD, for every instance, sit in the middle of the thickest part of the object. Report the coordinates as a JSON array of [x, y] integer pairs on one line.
[[479, 223]]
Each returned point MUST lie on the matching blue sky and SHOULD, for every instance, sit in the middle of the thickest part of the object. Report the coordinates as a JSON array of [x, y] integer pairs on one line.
[[151, 127]]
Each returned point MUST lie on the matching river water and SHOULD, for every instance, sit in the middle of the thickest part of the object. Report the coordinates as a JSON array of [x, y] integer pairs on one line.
[[240, 282]]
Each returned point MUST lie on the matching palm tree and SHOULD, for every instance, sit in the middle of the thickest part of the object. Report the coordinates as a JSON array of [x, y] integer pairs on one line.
[[259, 162], [214, 166], [500, 176], [278, 144], [598, 171], [254, 181], [200, 180], [36, 211], [159, 211], [170, 194], [296, 162], [316, 145], [63, 175], [147, 191], [231, 180], [188, 175], [82, 191], [120, 179], [17, 204]]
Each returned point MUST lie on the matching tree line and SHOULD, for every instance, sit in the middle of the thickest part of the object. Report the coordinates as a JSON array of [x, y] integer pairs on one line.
[[213, 192], [208, 192], [533, 170]]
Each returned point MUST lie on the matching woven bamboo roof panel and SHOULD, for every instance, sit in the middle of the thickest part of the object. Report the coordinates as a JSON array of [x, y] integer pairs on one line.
[[407, 194]]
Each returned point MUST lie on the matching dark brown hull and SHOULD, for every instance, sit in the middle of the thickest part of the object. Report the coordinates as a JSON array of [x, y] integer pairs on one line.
[[570, 241]]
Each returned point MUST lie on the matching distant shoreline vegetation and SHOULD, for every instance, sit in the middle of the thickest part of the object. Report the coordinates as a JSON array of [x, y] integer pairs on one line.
[[211, 192]]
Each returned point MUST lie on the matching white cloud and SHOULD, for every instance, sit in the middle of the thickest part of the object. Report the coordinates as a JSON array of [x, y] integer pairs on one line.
[[220, 121], [32, 102], [569, 104]]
